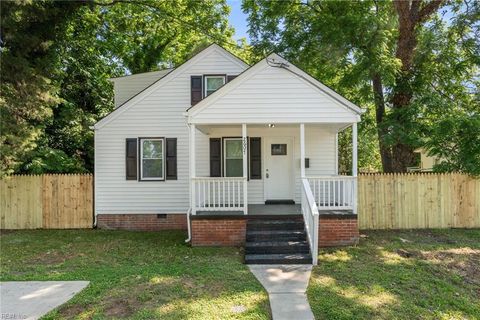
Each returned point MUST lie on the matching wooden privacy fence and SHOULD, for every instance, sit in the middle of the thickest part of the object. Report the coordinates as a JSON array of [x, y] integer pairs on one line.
[[50, 201], [418, 200], [385, 201]]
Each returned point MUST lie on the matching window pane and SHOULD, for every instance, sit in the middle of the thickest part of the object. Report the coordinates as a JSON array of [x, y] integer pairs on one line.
[[214, 83], [152, 148], [279, 149], [234, 168], [152, 168], [233, 149]]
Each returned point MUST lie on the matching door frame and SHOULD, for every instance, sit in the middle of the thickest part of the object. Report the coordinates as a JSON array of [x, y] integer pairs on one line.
[[266, 149]]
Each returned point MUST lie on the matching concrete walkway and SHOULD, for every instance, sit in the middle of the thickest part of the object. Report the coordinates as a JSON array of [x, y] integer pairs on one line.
[[33, 299], [286, 286]]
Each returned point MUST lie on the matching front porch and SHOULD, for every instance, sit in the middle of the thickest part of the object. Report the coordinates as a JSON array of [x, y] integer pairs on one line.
[[294, 163]]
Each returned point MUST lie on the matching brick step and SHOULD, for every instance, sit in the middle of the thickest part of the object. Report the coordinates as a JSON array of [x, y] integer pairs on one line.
[[279, 258], [270, 247], [275, 225], [275, 235]]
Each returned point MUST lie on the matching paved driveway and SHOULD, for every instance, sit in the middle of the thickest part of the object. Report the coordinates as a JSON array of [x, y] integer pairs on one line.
[[33, 299]]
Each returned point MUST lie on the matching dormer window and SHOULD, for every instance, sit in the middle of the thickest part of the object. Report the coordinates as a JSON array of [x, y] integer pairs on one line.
[[213, 83]]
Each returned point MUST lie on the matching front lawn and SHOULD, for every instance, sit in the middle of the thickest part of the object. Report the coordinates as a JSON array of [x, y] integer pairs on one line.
[[140, 275], [430, 274]]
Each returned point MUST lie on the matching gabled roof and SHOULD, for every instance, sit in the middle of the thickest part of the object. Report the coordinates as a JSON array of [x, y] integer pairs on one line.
[[273, 60], [165, 79]]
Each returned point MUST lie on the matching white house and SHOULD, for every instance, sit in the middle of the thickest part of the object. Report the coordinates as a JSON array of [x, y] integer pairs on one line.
[[214, 145]]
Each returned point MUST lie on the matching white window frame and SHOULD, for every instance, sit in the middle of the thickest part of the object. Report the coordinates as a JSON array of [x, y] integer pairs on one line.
[[142, 178], [205, 79], [224, 154]]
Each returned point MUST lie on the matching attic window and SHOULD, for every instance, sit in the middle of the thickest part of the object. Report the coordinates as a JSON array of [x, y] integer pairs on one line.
[[213, 83]]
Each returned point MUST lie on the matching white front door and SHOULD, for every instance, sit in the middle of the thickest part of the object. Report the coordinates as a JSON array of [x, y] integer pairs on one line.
[[279, 181]]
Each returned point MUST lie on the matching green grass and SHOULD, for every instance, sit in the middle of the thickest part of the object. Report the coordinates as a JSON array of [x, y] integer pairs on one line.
[[430, 274], [139, 275]]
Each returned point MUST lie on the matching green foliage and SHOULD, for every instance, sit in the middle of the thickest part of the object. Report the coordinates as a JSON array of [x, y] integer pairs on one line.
[[28, 32], [347, 44], [57, 58]]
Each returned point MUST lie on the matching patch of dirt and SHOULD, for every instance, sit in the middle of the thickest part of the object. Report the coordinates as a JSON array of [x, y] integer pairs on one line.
[[4, 232], [73, 311], [407, 253], [52, 258], [462, 261], [119, 308]]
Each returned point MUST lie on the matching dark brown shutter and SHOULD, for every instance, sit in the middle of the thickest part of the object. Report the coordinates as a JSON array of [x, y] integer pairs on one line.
[[131, 158], [230, 78], [171, 158], [255, 158], [196, 89], [215, 157]]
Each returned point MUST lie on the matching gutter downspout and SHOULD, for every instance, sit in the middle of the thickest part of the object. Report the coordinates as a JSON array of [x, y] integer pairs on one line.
[[94, 176], [189, 227]]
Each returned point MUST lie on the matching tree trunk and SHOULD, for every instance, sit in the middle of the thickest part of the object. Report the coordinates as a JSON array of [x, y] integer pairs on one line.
[[411, 15], [385, 150]]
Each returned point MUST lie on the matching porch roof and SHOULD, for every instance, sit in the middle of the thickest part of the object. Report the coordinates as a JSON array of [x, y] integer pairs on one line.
[[274, 91]]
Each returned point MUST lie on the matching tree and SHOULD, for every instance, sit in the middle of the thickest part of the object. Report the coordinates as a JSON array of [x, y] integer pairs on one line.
[[28, 32], [375, 53], [65, 52]]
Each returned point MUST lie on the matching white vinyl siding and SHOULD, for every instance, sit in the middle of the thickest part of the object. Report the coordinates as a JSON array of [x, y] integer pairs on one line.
[[159, 114], [271, 95]]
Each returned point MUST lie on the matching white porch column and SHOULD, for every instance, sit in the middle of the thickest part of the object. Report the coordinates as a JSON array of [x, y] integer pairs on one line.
[[192, 168], [302, 150], [245, 167], [354, 165]]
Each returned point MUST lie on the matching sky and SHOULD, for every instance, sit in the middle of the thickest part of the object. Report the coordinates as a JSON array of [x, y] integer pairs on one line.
[[238, 19]]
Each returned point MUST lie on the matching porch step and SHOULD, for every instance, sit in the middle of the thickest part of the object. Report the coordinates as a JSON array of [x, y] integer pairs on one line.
[[271, 247], [265, 225], [277, 241], [275, 235], [279, 258]]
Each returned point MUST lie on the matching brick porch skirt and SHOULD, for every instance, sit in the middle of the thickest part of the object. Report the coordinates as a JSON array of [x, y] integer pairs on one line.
[[218, 231], [142, 222], [334, 229], [337, 230]]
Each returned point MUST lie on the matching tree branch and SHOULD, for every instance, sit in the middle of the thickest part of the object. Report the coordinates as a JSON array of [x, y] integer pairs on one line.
[[427, 10]]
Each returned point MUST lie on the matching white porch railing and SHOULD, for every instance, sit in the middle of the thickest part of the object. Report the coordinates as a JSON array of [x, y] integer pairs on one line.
[[310, 216], [219, 194], [333, 192]]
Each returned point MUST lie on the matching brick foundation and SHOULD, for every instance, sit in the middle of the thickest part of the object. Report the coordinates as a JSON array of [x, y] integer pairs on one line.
[[225, 231], [337, 230], [142, 222]]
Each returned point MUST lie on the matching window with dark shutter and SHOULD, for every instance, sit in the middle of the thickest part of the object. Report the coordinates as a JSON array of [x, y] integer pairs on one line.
[[171, 158], [215, 157], [131, 159], [230, 78], [196, 89], [255, 158]]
